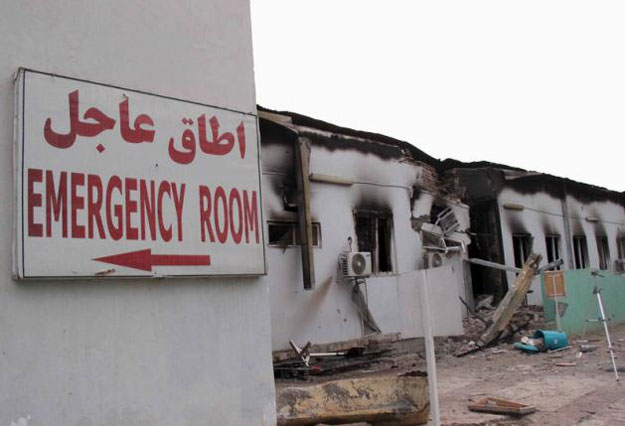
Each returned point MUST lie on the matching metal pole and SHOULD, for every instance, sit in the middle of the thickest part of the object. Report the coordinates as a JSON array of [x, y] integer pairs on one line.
[[555, 299], [597, 291], [607, 333], [430, 355]]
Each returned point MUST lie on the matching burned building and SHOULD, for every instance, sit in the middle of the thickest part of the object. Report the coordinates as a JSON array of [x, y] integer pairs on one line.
[[365, 192], [515, 212], [331, 192]]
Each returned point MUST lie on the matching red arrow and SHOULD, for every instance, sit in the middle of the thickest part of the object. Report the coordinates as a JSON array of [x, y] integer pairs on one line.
[[144, 259]]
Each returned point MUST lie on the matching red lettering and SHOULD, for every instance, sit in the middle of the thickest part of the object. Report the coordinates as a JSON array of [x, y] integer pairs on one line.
[[163, 188], [241, 136], [132, 233], [34, 200], [178, 204], [56, 204], [115, 229], [78, 203], [205, 213], [236, 233], [94, 204], [250, 211], [222, 233], [147, 208]]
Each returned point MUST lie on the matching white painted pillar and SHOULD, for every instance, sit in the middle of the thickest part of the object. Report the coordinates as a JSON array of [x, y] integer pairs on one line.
[[430, 355]]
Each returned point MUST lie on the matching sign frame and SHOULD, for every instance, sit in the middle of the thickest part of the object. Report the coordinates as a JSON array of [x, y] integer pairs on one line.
[[20, 254]]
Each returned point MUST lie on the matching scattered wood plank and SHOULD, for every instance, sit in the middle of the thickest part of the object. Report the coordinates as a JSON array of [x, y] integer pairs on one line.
[[501, 406], [512, 300], [559, 349], [500, 326]]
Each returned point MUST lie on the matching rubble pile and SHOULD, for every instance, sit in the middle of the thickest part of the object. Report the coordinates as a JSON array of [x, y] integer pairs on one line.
[[525, 320]]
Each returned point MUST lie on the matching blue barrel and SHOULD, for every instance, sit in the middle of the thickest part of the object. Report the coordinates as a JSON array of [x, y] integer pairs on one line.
[[553, 339]]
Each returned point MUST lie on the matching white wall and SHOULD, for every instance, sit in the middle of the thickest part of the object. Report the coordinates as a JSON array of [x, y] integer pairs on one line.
[[327, 313], [543, 215], [611, 224], [168, 352]]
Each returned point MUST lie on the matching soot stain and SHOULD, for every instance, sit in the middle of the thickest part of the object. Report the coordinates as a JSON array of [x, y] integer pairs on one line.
[[373, 203], [515, 223]]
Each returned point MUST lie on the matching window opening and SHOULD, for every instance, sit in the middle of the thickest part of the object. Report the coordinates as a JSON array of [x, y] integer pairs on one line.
[[522, 244], [553, 248], [580, 250], [284, 234], [604, 252], [374, 231]]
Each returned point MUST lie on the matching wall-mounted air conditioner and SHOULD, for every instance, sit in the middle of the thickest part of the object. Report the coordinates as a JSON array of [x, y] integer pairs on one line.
[[355, 264], [434, 259], [619, 266]]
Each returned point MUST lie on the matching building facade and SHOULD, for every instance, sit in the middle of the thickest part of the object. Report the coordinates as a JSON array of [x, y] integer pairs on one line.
[[368, 193], [515, 212], [190, 351]]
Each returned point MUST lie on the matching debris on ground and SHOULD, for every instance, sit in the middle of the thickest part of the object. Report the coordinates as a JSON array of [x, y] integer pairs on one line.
[[526, 319], [564, 348], [485, 302], [380, 399], [501, 406], [501, 324], [511, 301], [303, 362], [358, 359], [528, 344], [587, 348], [620, 369], [562, 394], [543, 340]]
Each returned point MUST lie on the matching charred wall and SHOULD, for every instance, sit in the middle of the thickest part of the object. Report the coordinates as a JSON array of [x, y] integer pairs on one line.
[[487, 244]]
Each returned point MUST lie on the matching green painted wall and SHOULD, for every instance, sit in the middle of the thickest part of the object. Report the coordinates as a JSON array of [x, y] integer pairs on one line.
[[582, 302]]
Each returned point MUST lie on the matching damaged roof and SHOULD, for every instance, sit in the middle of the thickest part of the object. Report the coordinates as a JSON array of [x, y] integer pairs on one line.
[[494, 176], [334, 137]]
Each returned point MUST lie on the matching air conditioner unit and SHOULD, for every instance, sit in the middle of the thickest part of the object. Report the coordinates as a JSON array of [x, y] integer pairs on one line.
[[355, 264], [619, 266], [434, 259]]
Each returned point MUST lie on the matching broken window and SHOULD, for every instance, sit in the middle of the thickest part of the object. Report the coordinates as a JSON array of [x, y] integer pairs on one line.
[[580, 251], [553, 248], [433, 241], [522, 244], [604, 252], [620, 245], [284, 234], [374, 231]]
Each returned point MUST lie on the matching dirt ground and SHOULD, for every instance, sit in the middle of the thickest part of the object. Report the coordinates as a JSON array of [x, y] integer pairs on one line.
[[584, 394]]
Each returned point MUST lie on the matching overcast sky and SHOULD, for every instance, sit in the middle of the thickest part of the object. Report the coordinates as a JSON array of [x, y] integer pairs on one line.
[[534, 84]]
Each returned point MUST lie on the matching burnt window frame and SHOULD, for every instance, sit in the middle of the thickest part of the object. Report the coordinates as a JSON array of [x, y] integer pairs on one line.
[[552, 245], [526, 249], [377, 217], [294, 235], [620, 247], [603, 252], [580, 242]]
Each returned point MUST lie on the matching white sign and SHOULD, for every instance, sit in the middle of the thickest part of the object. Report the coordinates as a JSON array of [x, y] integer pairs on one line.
[[115, 182]]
